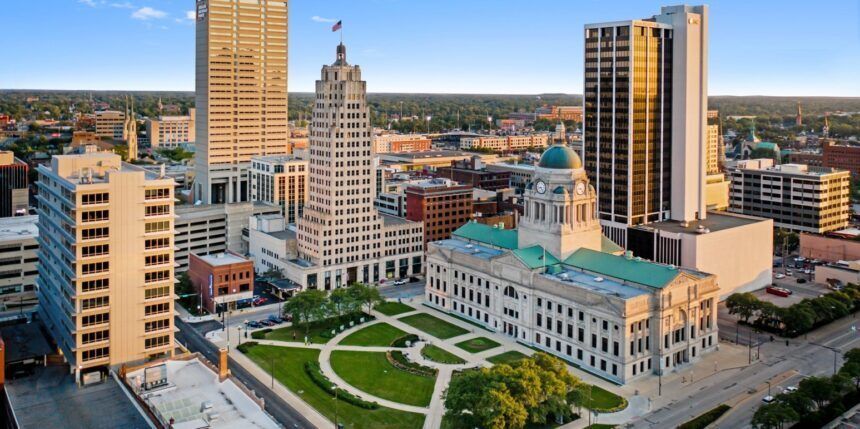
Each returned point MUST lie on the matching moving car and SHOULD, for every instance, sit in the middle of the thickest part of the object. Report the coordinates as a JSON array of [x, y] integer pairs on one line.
[[400, 282]]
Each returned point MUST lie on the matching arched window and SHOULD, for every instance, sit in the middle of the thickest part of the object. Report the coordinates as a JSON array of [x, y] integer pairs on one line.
[[509, 291]]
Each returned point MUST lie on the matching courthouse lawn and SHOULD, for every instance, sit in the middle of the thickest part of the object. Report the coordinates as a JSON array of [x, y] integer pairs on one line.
[[507, 357], [393, 308], [433, 326], [380, 334], [371, 372], [440, 355], [289, 365], [477, 345]]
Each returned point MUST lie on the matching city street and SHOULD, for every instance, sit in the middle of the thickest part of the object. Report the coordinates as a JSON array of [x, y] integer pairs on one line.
[[742, 388], [403, 291]]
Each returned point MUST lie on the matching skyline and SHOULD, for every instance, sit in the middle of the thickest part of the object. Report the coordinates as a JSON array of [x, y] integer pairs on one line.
[[151, 46]]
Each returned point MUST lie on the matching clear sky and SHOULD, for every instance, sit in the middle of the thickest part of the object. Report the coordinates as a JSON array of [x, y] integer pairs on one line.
[[787, 47]]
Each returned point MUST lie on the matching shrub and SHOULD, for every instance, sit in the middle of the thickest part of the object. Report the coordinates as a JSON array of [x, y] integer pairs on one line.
[[261, 334], [401, 342], [316, 375], [397, 359], [246, 346], [706, 419]]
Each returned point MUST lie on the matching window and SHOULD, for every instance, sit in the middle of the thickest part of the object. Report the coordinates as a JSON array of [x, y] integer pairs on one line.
[[99, 198], [157, 325], [94, 285], [88, 355], [94, 216], [158, 210], [157, 292], [157, 243], [95, 267], [95, 319], [159, 259], [157, 194], [92, 337], [96, 250], [157, 276], [160, 226], [157, 309], [157, 341], [100, 301], [93, 233]]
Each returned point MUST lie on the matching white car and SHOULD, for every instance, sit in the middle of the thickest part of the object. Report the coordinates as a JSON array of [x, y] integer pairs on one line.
[[791, 389], [399, 282], [780, 276], [789, 273], [767, 399]]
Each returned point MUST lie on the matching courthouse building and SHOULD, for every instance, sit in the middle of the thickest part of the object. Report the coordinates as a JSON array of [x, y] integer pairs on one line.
[[559, 285]]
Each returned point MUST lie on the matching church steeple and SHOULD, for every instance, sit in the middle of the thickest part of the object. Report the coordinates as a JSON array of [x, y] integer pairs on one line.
[[130, 130]]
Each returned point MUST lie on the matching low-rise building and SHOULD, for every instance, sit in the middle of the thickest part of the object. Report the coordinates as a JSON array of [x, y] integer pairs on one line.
[[843, 156], [387, 143], [18, 258], [170, 132], [796, 197], [14, 185], [829, 247], [505, 143], [221, 280], [520, 174], [110, 124], [280, 180], [474, 172]]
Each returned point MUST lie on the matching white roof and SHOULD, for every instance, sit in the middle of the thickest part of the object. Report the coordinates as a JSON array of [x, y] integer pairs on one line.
[[218, 259], [18, 228]]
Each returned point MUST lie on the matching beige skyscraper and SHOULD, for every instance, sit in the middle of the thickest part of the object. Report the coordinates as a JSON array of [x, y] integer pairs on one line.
[[105, 260], [241, 93], [341, 237]]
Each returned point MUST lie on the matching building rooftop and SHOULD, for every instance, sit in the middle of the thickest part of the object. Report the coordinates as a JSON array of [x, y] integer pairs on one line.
[[389, 220], [195, 398], [487, 234], [535, 256], [24, 341], [603, 286], [284, 234], [50, 398], [425, 154], [221, 259], [476, 250], [714, 222], [634, 270], [18, 228]]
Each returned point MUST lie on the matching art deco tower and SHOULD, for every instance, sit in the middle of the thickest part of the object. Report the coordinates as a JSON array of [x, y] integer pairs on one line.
[[241, 93]]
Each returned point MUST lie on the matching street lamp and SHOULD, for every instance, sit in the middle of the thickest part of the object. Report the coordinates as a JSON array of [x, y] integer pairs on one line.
[[836, 353], [768, 387], [334, 387]]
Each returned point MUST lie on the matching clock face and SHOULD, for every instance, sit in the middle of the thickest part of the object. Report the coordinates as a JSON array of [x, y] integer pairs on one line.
[[541, 187], [580, 188]]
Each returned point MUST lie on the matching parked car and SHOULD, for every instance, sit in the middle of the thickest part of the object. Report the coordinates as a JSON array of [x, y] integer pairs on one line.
[[789, 273], [767, 399], [276, 319], [790, 389], [267, 322], [801, 280], [260, 300], [779, 276], [400, 282], [254, 324], [288, 317], [778, 291]]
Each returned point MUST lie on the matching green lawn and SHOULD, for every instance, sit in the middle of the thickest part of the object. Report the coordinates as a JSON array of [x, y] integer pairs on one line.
[[287, 334], [393, 308], [477, 345], [433, 326], [507, 357], [372, 373], [603, 400], [437, 354], [289, 370], [380, 334]]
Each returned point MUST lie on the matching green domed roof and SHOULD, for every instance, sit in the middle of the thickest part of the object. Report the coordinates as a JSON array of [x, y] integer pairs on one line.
[[560, 157]]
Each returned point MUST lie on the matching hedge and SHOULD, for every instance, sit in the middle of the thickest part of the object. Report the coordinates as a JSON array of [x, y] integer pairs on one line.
[[397, 359], [244, 347], [261, 334], [316, 375], [401, 342], [702, 421]]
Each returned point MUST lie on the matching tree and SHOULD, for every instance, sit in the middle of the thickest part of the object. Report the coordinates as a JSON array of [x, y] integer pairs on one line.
[[853, 355], [306, 306], [274, 273], [773, 416], [797, 318], [342, 302], [797, 401], [768, 313], [368, 296], [820, 390], [790, 240], [744, 305]]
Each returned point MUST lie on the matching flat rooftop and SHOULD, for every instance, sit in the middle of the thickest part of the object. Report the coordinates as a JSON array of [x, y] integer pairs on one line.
[[50, 398], [195, 398], [283, 235], [24, 341], [426, 154], [715, 221], [593, 283], [18, 228], [220, 259], [473, 249], [394, 220]]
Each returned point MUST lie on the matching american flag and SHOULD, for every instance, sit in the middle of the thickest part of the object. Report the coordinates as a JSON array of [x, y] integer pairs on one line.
[[337, 26]]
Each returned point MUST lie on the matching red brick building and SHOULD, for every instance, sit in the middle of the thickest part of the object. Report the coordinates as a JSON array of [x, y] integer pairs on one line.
[[841, 155], [472, 172], [441, 204], [222, 279], [411, 145]]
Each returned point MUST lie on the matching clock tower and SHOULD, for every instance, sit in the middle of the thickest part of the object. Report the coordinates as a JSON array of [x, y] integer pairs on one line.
[[560, 206]]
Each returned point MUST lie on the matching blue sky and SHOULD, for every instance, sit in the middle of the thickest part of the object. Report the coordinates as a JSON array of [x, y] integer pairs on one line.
[[771, 47]]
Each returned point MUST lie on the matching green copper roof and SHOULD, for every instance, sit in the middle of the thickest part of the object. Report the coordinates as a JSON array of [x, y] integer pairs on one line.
[[560, 157], [497, 237], [767, 145], [609, 246], [631, 270], [533, 257]]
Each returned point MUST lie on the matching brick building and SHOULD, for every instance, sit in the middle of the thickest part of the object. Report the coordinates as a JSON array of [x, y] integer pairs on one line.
[[843, 156], [14, 189], [473, 172], [441, 204], [222, 279]]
